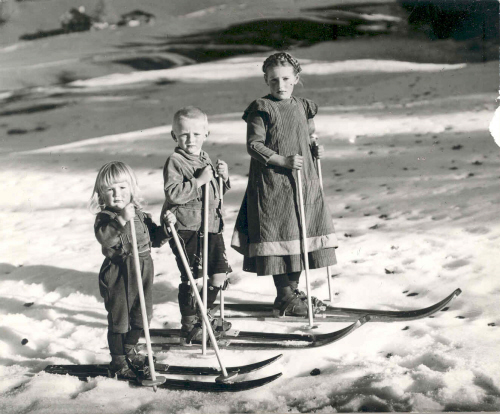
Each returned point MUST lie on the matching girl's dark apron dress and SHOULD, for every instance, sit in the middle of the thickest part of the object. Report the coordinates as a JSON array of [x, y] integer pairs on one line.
[[118, 284], [267, 230]]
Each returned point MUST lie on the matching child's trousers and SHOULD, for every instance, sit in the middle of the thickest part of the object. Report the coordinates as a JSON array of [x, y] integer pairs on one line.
[[118, 287]]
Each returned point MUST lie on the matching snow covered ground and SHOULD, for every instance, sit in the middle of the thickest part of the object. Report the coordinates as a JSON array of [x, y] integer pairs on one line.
[[412, 183]]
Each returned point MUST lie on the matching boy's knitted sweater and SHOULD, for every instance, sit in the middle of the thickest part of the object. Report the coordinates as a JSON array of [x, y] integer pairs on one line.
[[184, 198]]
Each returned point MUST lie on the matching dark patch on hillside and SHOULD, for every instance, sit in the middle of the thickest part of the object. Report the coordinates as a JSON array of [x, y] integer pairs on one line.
[[146, 63], [258, 36], [456, 19], [31, 109]]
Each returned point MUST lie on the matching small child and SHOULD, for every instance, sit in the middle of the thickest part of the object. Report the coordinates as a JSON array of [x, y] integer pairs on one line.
[[184, 174], [116, 198], [267, 230]]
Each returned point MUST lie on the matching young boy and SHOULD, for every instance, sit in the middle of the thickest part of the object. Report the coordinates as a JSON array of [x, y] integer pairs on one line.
[[185, 172]]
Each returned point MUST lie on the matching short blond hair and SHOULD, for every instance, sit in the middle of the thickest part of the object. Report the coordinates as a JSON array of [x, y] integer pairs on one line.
[[190, 112]]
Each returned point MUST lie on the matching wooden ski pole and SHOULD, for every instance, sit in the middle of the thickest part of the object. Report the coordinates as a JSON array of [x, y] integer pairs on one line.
[[206, 197], [320, 176], [224, 377], [137, 270], [304, 247], [221, 194]]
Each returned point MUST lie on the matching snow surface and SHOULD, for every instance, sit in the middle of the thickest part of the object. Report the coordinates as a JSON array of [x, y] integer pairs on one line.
[[413, 190], [245, 67]]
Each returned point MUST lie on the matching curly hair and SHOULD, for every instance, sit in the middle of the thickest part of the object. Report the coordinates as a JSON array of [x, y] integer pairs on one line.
[[281, 59]]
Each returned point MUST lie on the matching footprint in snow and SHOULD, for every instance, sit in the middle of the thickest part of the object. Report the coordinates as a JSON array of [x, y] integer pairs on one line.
[[477, 230], [456, 264]]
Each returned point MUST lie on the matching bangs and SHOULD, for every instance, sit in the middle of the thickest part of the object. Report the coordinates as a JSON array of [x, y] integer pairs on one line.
[[116, 173], [111, 173]]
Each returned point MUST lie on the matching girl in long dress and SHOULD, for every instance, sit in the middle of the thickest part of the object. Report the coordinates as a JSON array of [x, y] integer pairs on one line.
[[267, 230]]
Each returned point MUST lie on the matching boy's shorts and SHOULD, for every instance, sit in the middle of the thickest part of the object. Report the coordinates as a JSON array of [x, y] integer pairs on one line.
[[193, 248]]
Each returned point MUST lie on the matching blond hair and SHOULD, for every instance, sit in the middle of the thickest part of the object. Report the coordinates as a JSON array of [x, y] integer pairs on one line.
[[190, 112], [111, 173]]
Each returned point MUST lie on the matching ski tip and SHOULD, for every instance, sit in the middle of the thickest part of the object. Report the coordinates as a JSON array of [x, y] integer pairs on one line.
[[276, 357], [276, 376], [457, 292]]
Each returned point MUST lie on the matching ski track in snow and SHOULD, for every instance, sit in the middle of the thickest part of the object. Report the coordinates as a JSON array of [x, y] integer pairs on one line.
[[414, 200]]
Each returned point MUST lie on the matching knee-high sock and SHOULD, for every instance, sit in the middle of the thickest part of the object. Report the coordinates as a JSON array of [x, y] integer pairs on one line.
[[212, 293], [187, 302], [293, 279]]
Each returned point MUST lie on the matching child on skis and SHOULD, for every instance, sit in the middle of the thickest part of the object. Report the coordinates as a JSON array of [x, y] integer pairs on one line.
[[267, 229], [184, 173], [116, 198]]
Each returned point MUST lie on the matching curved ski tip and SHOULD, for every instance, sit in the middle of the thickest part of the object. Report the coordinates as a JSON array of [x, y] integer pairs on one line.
[[275, 358], [275, 376], [457, 292]]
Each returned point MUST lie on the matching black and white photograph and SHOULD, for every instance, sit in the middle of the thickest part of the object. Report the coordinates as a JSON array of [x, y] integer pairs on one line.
[[233, 206]]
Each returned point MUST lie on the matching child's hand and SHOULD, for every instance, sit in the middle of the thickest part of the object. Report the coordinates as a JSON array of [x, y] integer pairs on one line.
[[205, 175], [294, 162], [318, 151], [170, 218], [128, 212], [222, 170]]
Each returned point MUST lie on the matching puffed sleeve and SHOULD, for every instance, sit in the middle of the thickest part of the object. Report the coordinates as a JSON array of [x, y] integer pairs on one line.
[[310, 107]]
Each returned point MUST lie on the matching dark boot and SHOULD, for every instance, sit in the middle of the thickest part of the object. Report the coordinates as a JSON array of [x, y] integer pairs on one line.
[[139, 362], [218, 324], [288, 303], [191, 328], [120, 368], [317, 304]]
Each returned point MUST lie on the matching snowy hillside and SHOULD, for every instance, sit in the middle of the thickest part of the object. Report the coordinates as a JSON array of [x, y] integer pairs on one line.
[[411, 177]]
